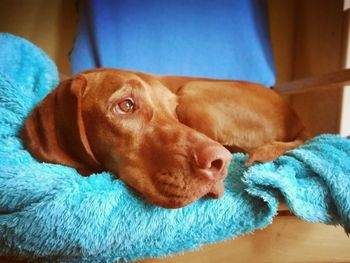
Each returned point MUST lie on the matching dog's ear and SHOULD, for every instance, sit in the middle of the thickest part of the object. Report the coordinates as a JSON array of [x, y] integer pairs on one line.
[[54, 131]]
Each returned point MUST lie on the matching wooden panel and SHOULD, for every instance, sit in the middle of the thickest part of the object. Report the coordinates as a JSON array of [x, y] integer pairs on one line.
[[51, 25], [287, 240], [317, 51]]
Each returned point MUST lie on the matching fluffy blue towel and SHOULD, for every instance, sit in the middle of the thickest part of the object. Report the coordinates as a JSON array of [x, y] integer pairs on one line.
[[50, 212]]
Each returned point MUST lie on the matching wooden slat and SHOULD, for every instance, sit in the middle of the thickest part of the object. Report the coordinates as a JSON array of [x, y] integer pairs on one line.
[[334, 79]]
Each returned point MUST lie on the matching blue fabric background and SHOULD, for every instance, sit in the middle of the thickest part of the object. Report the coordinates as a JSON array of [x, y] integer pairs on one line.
[[224, 39]]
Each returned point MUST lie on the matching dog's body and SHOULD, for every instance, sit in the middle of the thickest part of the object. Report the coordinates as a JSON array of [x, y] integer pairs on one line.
[[161, 135]]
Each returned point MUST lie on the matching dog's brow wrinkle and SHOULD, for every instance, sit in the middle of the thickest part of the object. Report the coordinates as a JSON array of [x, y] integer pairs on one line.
[[123, 91]]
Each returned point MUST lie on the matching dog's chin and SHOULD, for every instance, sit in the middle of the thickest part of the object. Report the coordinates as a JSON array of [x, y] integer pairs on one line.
[[173, 204], [216, 191]]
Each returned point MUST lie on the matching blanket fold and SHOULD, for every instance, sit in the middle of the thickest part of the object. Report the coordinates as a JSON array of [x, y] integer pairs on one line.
[[50, 212]]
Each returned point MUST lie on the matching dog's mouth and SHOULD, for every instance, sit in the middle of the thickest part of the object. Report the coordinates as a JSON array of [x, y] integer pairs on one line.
[[175, 190]]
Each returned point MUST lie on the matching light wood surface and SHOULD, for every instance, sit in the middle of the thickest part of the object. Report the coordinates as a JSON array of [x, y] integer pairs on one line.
[[288, 239]]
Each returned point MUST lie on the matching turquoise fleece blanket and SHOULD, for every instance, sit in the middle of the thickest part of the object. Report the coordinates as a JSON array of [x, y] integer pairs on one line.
[[50, 212]]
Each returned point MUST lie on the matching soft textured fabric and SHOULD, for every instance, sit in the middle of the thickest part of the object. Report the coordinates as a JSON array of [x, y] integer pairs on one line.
[[226, 39], [50, 212]]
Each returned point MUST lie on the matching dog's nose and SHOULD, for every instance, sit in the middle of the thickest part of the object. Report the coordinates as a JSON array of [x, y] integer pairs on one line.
[[212, 161]]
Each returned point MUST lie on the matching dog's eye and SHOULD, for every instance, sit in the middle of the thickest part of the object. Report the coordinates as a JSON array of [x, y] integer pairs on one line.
[[124, 106]]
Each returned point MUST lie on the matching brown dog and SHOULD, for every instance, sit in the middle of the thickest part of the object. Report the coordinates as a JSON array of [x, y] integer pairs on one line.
[[162, 136]]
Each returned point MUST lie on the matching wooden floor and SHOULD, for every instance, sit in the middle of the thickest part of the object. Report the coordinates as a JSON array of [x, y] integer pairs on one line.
[[288, 239]]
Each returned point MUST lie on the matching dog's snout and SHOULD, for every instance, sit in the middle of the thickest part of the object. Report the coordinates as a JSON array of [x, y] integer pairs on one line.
[[212, 161]]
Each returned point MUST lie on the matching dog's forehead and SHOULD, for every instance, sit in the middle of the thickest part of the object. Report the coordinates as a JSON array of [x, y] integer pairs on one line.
[[103, 83], [107, 81], [110, 77]]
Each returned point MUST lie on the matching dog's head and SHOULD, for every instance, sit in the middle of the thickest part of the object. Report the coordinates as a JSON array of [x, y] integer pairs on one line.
[[126, 123]]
